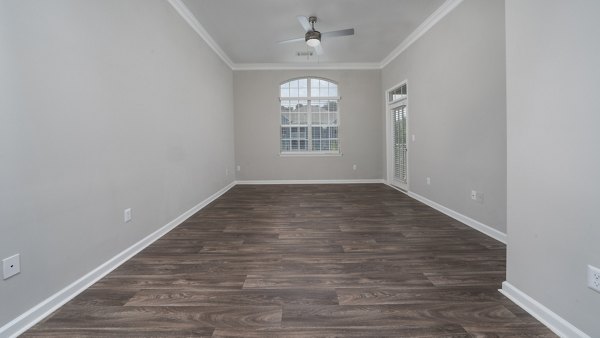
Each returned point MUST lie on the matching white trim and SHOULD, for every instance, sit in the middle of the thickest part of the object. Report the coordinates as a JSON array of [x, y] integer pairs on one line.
[[32, 316], [440, 13], [554, 322], [189, 17], [310, 154], [486, 229], [307, 98], [360, 181], [307, 66], [397, 188]]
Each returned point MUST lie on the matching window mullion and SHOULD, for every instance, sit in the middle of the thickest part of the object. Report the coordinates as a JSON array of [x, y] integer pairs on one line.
[[309, 120]]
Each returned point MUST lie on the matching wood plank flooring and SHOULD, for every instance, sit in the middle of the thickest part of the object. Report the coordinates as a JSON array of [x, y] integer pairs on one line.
[[295, 261]]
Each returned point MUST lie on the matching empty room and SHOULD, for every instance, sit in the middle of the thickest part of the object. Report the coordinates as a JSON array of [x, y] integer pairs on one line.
[[299, 168]]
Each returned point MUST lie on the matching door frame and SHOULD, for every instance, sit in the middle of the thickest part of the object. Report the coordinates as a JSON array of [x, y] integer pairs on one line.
[[389, 137]]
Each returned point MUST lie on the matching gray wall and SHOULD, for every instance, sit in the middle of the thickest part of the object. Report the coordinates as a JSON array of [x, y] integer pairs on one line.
[[457, 110], [257, 127], [553, 78], [104, 105]]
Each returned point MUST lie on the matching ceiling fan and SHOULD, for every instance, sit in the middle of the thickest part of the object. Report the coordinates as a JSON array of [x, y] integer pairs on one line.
[[313, 36]]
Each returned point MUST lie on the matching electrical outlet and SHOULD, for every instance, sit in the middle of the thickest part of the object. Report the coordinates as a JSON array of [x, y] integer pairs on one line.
[[477, 196], [239, 168], [127, 215], [11, 266], [594, 278], [428, 180], [413, 137], [354, 167]]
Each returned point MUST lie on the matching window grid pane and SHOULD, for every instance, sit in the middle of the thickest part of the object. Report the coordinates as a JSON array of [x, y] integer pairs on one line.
[[309, 125], [397, 94]]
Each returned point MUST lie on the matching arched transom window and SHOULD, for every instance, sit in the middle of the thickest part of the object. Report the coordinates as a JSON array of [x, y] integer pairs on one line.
[[309, 116]]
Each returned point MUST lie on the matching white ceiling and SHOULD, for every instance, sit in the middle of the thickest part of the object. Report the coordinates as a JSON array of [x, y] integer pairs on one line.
[[248, 30]]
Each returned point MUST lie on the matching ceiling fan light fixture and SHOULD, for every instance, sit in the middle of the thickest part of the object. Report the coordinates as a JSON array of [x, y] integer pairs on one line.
[[313, 42], [313, 38]]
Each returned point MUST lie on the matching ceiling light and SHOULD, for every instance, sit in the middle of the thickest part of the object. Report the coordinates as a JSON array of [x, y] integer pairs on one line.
[[313, 38], [313, 42]]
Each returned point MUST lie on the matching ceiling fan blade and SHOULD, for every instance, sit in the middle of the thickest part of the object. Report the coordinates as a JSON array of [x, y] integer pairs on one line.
[[304, 23], [291, 40], [319, 49], [343, 32]]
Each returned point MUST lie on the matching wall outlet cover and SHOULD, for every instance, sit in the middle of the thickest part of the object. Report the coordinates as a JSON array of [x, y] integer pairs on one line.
[[594, 278], [477, 196], [11, 266], [127, 215]]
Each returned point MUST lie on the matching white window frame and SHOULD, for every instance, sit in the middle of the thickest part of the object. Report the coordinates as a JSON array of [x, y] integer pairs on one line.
[[389, 105], [309, 98]]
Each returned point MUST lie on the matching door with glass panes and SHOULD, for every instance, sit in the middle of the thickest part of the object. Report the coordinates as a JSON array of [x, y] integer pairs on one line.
[[397, 107]]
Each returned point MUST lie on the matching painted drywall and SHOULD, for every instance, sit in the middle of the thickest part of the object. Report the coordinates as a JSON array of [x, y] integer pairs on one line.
[[457, 110], [553, 77], [104, 105], [257, 119]]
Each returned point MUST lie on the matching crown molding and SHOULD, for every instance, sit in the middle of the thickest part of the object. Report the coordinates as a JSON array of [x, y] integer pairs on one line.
[[305, 66], [190, 18], [436, 16]]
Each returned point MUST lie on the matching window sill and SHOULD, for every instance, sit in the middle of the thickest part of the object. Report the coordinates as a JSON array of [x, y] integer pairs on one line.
[[309, 154]]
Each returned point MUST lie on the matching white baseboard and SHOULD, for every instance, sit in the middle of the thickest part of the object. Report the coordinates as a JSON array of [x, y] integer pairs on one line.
[[405, 192], [361, 181], [486, 229], [20, 324], [546, 316]]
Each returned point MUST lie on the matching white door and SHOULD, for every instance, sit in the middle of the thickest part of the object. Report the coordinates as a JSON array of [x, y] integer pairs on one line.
[[398, 118]]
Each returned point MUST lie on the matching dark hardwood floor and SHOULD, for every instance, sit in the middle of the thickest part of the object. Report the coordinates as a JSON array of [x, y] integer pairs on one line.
[[358, 260]]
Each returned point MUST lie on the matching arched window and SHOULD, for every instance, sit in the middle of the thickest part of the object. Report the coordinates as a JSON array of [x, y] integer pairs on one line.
[[309, 116]]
